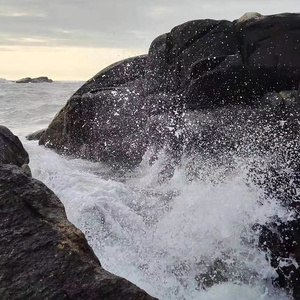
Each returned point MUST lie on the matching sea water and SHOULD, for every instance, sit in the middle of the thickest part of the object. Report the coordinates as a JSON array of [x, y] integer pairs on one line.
[[166, 237]]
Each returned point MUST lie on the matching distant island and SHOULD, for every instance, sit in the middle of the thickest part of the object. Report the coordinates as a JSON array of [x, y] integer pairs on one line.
[[34, 80]]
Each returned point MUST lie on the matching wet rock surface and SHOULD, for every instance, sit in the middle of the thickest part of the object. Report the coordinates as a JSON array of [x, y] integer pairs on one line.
[[11, 149], [198, 65], [210, 90], [43, 256]]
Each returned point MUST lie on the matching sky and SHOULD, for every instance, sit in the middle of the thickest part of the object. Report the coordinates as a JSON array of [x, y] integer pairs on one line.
[[75, 39]]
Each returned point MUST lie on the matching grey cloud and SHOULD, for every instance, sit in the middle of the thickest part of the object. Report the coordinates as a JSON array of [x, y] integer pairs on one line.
[[113, 23]]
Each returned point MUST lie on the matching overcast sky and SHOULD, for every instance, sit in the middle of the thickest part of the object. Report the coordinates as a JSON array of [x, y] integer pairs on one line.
[[50, 36]]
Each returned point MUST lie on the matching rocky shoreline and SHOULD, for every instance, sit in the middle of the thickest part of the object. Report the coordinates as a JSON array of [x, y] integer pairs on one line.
[[208, 90], [211, 90]]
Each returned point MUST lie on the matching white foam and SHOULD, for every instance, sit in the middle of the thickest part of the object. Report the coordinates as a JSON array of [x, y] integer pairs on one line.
[[161, 236], [158, 235]]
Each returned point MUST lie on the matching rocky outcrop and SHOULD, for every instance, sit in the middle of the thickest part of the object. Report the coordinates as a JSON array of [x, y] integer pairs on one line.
[[199, 65], [24, 80], [35, 136], [12, 150], [106, 122], [34, 80], [213, 90], [44, 256]]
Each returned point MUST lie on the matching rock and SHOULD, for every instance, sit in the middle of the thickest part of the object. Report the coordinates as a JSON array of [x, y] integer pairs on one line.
[[24, 80], [185, 45], [34, 80], [43, 256], [35, 136], [290, 97], [249, 16], [116, 74], [41, 79], [204, 63], [268, 61], [11, 149], [281, 241], [216, 273], [108, 124], [211, 90]]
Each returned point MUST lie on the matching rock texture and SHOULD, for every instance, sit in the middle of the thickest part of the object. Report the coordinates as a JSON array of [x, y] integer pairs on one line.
[[42, 255], [106, 115], [11, 149], [34, 80], [199, 65], [213, 90]]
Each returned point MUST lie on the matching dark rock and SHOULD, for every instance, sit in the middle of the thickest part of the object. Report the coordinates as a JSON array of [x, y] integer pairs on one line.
[[216, 273], [35, 136], [210, 90], [24, 80], [202, 39], [11, 149], [108, 120], [34, 80], [43, 256], [198, 65], [116, 74], [178, 51], [267, 59], [41, 79], [281, 241], [108, 125], [272, 42]]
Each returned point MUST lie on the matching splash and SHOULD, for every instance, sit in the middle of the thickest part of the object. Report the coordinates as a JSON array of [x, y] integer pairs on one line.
[[178, 238]]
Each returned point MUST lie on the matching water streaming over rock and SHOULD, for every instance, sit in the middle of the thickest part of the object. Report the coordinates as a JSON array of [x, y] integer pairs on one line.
[[183, 238]]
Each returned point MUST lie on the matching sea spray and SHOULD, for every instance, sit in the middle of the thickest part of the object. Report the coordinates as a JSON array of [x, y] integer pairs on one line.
[[163, 235], [173, 239]]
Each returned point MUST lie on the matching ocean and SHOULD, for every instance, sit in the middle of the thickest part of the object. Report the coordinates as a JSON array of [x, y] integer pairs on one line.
[[166, 237]]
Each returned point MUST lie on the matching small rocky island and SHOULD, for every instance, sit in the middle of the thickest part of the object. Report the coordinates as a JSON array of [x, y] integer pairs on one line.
[[35, 80]]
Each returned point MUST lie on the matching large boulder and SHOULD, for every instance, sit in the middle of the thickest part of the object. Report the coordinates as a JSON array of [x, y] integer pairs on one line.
[[43, 256], [11, 149], [267, 59], [106, 115], [211, 90], [198, 65]]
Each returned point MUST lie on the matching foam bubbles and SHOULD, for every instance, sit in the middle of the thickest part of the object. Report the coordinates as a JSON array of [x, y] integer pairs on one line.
[[166, 237]]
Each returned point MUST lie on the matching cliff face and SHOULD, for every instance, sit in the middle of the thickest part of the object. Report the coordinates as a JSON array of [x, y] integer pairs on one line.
[[44, 256]]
